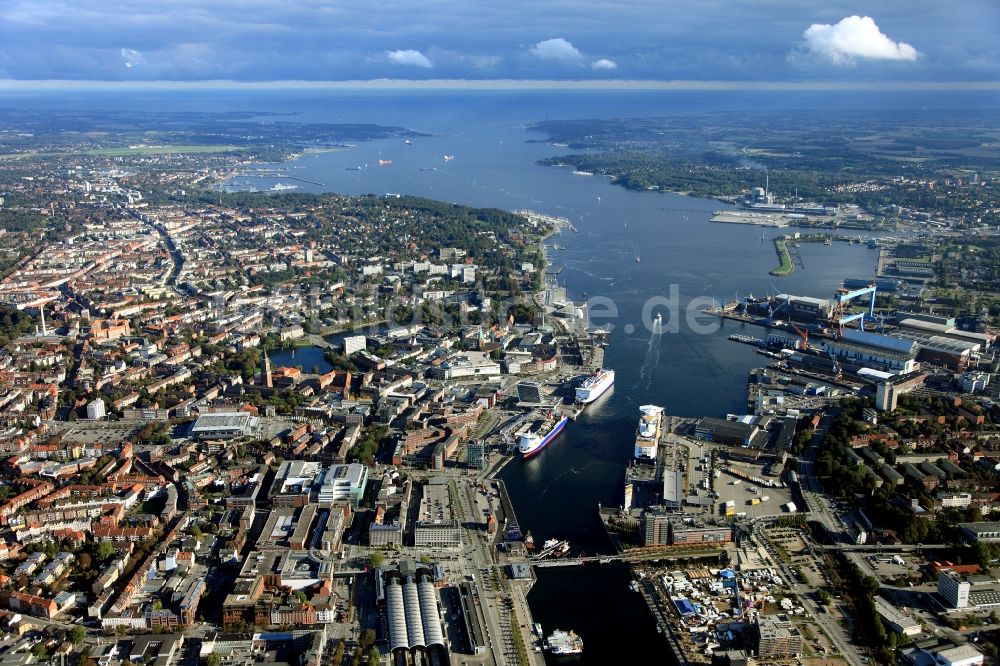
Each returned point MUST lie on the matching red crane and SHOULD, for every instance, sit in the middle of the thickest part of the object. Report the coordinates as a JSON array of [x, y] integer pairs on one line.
[[802, 334]]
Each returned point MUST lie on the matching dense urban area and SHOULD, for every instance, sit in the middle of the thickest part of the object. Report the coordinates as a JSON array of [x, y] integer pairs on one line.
[[263, 427]]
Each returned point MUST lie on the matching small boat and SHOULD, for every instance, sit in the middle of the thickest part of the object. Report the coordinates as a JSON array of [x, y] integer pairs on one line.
[[408, 142], [384, 162], [449, 158], [354, 168]]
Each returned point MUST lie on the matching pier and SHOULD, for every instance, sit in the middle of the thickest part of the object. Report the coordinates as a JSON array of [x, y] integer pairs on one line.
[[786, 267], [662, 625], [277, 173], [512, 531]]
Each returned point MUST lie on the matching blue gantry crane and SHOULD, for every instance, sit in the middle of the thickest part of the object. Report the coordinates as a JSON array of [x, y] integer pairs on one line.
[[843, 296]]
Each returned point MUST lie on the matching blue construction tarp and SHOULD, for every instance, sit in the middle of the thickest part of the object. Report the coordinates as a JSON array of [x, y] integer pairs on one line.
[[684, 607]]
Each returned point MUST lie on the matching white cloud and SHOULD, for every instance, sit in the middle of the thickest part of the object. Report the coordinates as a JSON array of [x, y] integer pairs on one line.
[[855, 37], [410, 57], [604, 63], [556, 49], [131, 58]]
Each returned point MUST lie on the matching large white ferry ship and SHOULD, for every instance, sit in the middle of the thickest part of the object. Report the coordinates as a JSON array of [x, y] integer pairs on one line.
[[594, 386], [541, 432], [647, 435]]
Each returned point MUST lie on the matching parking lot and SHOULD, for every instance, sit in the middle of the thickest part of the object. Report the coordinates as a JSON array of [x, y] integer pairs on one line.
[[743, 492]]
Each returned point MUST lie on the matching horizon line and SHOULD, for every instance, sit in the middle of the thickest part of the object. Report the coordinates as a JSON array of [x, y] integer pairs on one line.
[[492, 84]]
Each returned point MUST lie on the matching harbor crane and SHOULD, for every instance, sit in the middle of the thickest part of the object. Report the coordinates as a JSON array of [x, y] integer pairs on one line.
[[771, 311], [804, 334]]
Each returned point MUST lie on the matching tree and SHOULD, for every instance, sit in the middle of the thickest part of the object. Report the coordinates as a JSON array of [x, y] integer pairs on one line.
[[376, 559], [213, 659], [338, 654], [76, 634], [373, 656], [367, 639], [104, 551], [83, 560]]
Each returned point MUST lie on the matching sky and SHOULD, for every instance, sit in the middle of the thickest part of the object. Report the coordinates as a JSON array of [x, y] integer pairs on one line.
[[656, 40]]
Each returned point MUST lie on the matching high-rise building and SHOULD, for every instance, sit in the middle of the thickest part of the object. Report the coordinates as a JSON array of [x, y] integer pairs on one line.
[[954, 589], [886, 397], [475, 455]]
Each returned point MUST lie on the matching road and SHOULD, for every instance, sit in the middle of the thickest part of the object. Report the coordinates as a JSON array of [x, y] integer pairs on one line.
[[176, 258], [830, 627], [476, 561]]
